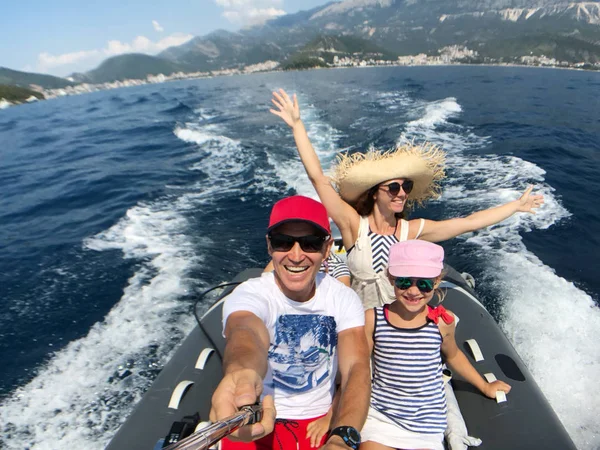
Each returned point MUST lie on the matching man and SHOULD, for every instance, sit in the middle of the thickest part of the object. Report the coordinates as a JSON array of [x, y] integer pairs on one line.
[[287, 335]]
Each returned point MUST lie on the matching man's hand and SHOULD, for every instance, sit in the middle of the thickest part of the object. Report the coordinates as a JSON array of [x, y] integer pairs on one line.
[[237, 389]]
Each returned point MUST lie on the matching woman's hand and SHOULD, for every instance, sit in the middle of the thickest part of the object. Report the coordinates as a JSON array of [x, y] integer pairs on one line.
[[490, 389], [318, 428], [528, 202], [287, 108]]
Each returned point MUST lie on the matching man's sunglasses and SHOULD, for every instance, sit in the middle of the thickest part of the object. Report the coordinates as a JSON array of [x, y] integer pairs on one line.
[[308, 244], [394, 188], [424, 285]]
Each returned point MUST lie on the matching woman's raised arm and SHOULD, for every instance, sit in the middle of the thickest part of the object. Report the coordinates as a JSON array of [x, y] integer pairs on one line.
[[344, 216], [435, 231]]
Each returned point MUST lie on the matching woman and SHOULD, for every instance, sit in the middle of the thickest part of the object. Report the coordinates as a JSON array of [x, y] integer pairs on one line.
[[375, 189]]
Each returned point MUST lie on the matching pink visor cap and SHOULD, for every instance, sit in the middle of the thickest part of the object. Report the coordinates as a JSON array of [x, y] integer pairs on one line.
[[416, 259]]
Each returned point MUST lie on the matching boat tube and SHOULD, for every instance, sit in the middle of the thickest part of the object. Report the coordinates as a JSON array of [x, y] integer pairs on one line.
[[523, 420]]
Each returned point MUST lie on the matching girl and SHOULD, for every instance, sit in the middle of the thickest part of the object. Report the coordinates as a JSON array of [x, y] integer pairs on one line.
[[407, 339]]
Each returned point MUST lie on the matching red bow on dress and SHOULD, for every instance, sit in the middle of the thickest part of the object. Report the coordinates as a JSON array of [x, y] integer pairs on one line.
[[435, 313]]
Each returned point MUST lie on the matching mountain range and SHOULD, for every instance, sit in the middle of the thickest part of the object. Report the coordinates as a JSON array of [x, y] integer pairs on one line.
[[25, 79], [499, 30]]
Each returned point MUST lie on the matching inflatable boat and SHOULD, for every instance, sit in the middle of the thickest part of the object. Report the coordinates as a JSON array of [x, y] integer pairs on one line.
[[179, 399]]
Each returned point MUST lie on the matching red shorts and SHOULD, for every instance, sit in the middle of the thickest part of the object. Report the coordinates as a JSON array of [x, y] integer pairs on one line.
[[287, 435]]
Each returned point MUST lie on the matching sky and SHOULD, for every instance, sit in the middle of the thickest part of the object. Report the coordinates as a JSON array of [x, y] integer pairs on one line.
[[60, 37]]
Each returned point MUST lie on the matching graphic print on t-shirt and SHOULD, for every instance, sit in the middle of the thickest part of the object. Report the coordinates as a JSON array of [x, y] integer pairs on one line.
[[301, 357]]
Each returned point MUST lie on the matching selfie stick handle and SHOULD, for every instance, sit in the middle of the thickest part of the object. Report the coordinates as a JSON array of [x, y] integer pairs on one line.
[[204, 438]]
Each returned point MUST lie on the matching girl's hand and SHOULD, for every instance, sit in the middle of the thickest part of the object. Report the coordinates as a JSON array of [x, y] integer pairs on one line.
[[287, 108], [491, 388], [527, 201], [317, 429]]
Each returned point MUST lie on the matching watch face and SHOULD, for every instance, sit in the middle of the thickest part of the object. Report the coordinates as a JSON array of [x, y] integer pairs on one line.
[[353, 435]]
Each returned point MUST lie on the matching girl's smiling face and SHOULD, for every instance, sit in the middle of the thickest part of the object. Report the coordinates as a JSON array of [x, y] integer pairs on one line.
[[415, 297]]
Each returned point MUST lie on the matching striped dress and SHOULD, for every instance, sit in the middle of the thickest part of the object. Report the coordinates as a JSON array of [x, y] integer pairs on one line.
[[407, 382]]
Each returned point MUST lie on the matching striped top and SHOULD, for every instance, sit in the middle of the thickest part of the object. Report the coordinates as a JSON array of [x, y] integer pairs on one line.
[[380, 248], [335, 266], [407, 381]]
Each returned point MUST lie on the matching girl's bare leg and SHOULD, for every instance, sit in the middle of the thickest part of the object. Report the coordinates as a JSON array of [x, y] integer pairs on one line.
[[370, 445]]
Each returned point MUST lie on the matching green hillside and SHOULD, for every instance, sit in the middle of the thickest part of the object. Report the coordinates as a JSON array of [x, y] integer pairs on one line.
[[302, 61], [347, 45], [326, 47], [25, 79], [563, 48], [16, 94], [130, 66]]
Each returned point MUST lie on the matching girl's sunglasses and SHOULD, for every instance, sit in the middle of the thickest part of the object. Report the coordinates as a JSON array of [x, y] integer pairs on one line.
[[424, 285], [394, 188], [308, 244]]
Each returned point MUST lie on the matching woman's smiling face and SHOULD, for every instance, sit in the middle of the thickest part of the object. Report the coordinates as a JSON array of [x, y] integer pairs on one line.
[[387, 200]]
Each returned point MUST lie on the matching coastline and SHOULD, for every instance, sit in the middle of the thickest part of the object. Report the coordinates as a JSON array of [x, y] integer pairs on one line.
[[86, 88]]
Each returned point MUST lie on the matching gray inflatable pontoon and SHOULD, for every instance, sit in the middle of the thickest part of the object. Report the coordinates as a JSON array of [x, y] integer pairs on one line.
[[525, 421]]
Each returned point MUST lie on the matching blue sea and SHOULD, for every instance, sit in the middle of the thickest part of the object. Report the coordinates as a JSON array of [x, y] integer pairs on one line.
[[119, 207]]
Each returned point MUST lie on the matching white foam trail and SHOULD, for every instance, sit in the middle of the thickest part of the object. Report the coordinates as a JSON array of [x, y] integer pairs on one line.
[[436, 113], [205, 114], [5, 103], [542, 313], [554, 327], [72, 402], [80, 397], [225, 154], [394, 100]]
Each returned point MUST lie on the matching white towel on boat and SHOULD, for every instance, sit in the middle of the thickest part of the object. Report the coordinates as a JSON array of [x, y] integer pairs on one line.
[[456, 435]]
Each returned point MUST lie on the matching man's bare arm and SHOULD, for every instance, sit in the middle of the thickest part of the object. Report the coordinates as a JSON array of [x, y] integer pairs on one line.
[[353, 358], [244, 367]]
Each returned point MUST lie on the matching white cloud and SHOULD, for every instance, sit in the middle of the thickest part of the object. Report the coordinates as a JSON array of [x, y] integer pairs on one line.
[[250, 12], [46, 60], [157, 26], [88, 59]]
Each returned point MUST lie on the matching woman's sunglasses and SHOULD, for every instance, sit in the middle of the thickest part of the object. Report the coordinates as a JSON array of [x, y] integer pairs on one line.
[[394, 188], [308, 244], [424, 285]]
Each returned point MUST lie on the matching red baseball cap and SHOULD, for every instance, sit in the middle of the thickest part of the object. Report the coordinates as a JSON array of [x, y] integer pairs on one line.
[[299, 209]]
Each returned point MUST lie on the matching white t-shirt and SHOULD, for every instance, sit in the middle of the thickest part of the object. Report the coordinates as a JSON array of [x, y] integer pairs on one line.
[[303, 349]]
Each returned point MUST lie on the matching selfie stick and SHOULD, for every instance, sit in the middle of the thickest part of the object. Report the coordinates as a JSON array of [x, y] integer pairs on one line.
[[203, 439]]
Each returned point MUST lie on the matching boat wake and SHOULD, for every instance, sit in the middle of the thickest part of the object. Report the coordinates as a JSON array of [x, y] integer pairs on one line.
[[81, 396]]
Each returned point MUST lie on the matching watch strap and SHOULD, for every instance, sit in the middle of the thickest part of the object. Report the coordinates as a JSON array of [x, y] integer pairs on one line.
[[350, 436]]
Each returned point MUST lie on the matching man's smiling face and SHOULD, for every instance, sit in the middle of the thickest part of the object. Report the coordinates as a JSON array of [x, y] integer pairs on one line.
[[296, 269]]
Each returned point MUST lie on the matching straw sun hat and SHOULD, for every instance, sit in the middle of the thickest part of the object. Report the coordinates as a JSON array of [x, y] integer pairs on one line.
[[423, 164]]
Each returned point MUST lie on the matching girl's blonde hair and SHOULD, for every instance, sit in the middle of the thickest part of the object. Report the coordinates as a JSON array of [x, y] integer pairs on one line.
[[439, 292]]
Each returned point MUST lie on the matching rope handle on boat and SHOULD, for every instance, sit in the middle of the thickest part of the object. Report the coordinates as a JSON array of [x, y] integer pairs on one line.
[[204, 438]]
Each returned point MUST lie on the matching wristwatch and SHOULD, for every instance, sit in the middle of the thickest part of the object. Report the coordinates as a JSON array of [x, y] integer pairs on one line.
[[350, 435]]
